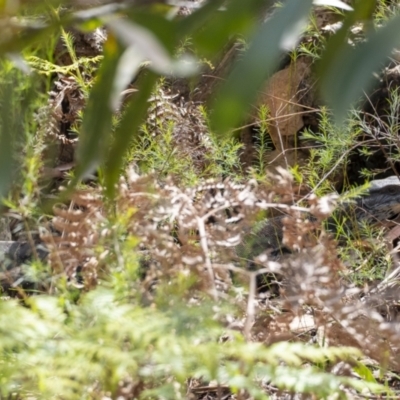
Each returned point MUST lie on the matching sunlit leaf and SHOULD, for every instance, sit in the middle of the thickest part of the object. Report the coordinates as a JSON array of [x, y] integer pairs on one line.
[[19, 62], [150, 48], [161, 27], [248, 75], [333, 3], [128, 66], [145, 42], [98, 12]]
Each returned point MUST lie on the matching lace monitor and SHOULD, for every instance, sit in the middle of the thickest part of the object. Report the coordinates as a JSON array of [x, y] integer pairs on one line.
[[380, 204]]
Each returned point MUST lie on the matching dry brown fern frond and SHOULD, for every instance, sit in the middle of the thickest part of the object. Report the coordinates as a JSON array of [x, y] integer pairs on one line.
[[194, 232], [78, 229]]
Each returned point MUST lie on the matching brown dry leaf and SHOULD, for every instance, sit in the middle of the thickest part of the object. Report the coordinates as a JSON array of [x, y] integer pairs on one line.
[[282, 98]]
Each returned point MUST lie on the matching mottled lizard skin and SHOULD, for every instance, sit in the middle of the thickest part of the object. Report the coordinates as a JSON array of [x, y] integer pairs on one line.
[[380, 204]]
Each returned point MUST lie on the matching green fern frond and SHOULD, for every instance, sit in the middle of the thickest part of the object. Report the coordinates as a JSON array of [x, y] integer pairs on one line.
[[47, 68]]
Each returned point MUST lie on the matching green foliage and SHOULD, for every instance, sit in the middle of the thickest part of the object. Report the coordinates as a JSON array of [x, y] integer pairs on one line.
[[223, 158], [314, 46], [362, 249], [47, 68], [382, 129], [19, 102], [362, 246], [157, 151], [156, 154], [223, 155], [264, 142], [91, 348], [332, 146], [365, 256]]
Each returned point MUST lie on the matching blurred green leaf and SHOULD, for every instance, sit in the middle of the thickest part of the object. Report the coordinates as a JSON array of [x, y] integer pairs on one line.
[[96, 124], [27, 37], [157, 26], [195, 21], [8, 135], [18, 92], [148, 45], [249, 73], [239, 18], [128, 67], [128, 127], [362, 11], [146, 42], [364, 372], [349, 73]]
